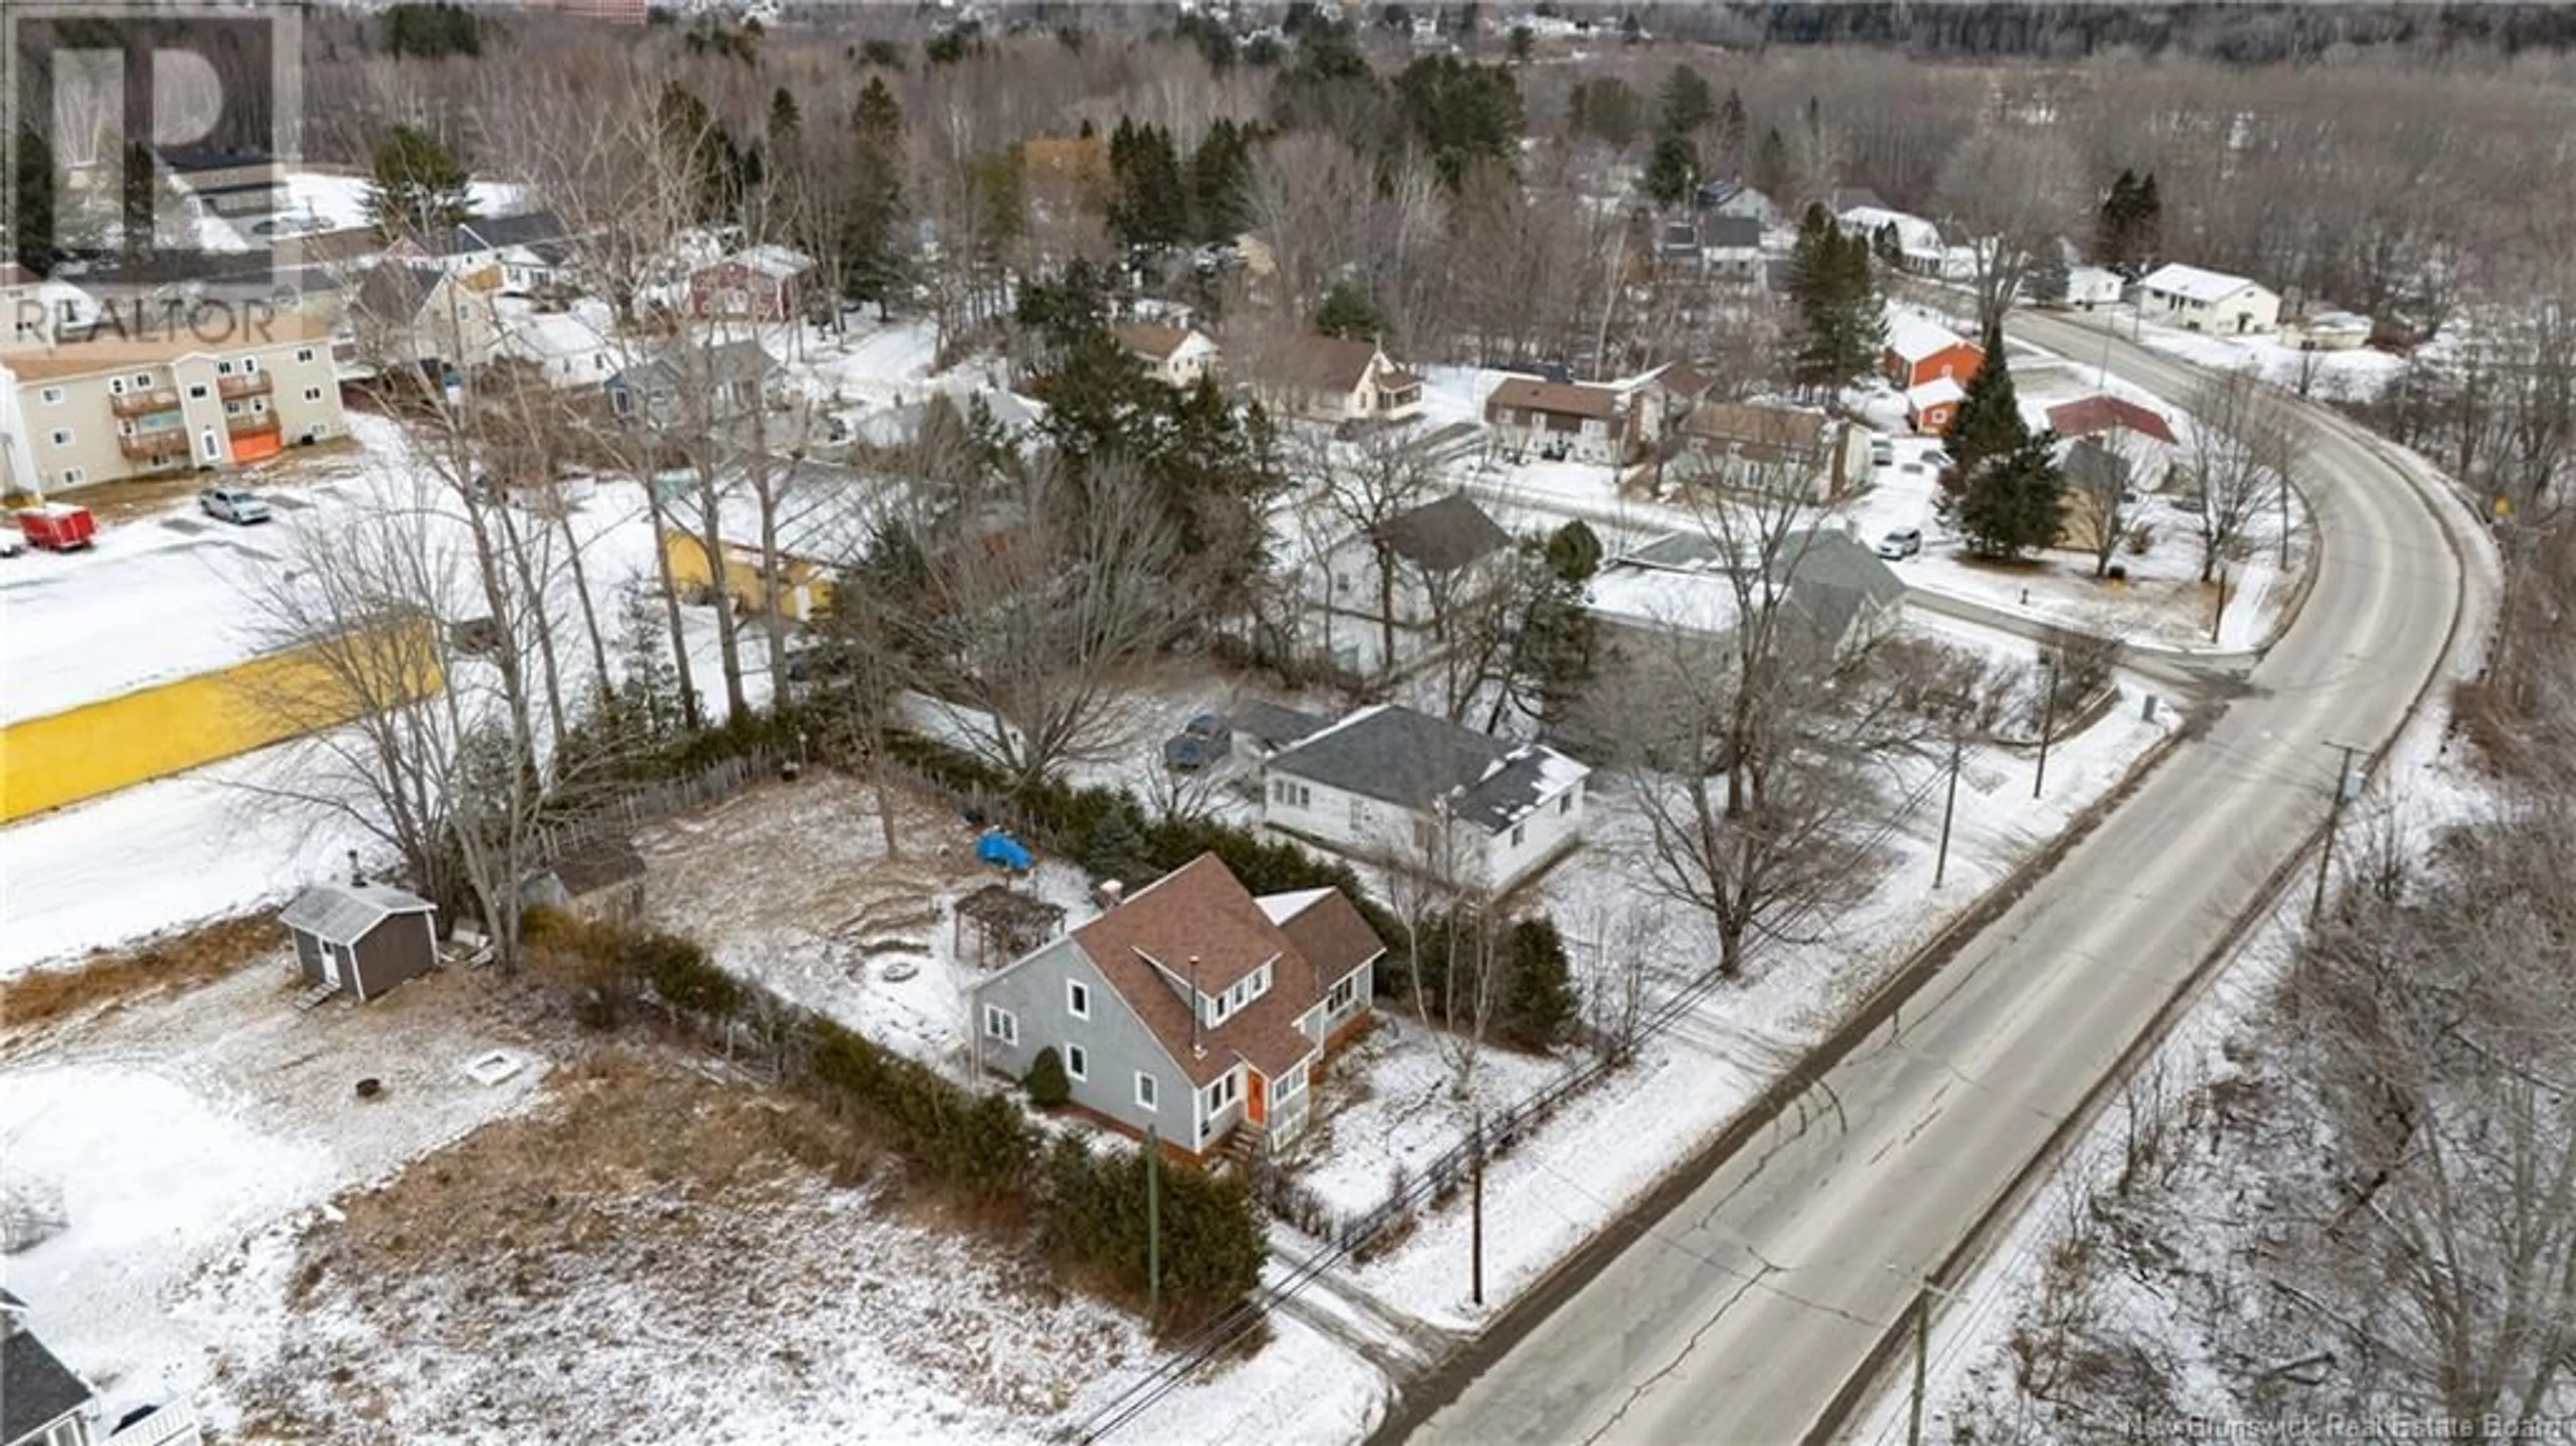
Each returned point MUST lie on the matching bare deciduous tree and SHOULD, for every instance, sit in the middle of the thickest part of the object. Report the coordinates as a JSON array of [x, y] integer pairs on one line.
[[2245, 445]]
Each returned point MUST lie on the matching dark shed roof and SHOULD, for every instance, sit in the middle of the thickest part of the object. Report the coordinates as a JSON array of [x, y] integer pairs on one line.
[[36, 1390], [1446, 535]]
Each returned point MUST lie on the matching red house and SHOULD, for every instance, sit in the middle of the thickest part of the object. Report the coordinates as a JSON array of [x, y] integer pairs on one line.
[[1920, 351], [765, 283]]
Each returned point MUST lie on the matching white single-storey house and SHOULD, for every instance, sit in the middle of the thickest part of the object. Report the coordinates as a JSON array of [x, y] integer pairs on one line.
[[1176, 356], [2090, 288], [2197, 300], [1396, 787]]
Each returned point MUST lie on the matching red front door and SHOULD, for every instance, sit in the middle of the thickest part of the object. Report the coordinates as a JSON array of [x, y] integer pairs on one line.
[[1256, 1097]]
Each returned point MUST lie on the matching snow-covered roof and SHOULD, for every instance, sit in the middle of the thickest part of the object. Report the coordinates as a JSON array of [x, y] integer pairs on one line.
[[1913, 233], [1914, 337], [554, 335], [775, 260], [1934, 392], [1693, 600], [1414, 761], [347, 913], [1283, 907], [2193, 284]]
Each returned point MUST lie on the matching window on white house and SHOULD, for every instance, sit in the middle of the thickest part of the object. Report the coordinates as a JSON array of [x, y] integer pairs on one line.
[[51, 395], [1290, 1085], [1216, 1009], [312, 394], [1223, 1092], [1519, 831], [1359, 814], [304, 353], [143, 381], [1565, 802], [223, 369], [250, 366], [62, 436], [197, 393], [1077, 999], [74, 476], [1001, 1024], [1293, 795], [1076, 1063], [116, 386], [1148, 1092]]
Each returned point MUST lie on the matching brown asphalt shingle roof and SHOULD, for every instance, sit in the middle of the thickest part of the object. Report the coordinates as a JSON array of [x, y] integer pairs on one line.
[[1332, 937], [1151, 339], [1201, 910], [2084, 417], [1564, 399]]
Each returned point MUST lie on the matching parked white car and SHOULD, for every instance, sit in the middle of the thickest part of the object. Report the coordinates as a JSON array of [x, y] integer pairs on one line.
[[233, 505], [1901, 544]]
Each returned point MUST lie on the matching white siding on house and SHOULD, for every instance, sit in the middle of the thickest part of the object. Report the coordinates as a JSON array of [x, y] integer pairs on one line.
[[1367, 828]]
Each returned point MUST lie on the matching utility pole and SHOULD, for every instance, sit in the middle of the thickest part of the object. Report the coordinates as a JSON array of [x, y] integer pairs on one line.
[[2047, 724], [1153, 1224], [2334, 824], [2220, 611], [1922, 1361], [1476, 1217], [2285, 523], [1949, 804]]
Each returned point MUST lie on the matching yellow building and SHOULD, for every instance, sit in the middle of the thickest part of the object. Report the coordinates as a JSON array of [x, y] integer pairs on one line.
[[821, 513]]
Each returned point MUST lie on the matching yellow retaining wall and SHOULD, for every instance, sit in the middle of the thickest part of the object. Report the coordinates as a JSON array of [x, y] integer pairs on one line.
[[808, 587], [168, 728]]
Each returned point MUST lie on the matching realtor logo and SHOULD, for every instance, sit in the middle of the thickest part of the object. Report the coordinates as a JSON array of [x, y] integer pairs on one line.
[[144, 143]]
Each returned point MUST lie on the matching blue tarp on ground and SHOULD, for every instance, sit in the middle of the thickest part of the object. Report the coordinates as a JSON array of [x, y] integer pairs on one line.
[[997, 847]]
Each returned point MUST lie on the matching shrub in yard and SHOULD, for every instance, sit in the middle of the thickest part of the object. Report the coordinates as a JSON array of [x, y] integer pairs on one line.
[[2142, 539], [1213, 1245], [1046, 1081], [682, 976], [1114, 848], [1538, 1003]]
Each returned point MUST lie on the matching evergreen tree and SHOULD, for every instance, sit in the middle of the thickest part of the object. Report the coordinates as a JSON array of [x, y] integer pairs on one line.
[[33, 241], [2147, 224], [1538, 1004], [415, 185], [1348, 313], [1574, 552], [1150, 201], [1771, 167], [1888, 245], [2012, 503], [430, 31], [698, 151], [1523, 41], [2111, 222], [1047, 1083], [873, 249], [1221, 183], [1115, 848], [786, 119], [2047, 280], [1673, 170], [1608, 109], [1835, 295], [1684, 102], [1989, 421], [1460, 113]]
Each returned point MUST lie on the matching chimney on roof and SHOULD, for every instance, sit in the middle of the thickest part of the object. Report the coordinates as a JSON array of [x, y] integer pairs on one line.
[[1110, 893], [357, 879]]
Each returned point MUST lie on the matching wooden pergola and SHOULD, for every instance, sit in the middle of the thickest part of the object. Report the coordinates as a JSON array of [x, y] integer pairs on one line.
[[1007, 918]]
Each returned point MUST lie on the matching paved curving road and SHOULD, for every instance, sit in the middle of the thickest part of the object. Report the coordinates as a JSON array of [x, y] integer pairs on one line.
[[1739, 1315]]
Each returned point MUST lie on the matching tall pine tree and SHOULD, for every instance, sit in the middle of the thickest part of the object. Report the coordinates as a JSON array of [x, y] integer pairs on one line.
[[1989, 422], [1840, 321], [1221, 184], [1685, 101], [2011, 495], [415, 185], [1673, 169]]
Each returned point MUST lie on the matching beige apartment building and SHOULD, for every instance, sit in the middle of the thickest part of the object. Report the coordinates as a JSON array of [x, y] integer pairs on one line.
[[135, 405]]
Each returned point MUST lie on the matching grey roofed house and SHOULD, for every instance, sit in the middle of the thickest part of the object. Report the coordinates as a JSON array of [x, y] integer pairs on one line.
[[1840, 588], [1270, 728], [1690, 551], [394, 293], [2090, 465], [1854, 198], [1730, 233], [1411, 760], [732, 361], [37, 1391], [1446, 535], [496, 233]]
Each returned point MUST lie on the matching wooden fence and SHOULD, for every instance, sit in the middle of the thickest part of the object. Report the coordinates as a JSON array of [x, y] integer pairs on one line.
[[626, 812]]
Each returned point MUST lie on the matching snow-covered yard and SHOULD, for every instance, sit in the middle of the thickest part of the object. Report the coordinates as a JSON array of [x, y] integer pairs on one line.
[[654, 1255], [178, 1131], [790, 885]]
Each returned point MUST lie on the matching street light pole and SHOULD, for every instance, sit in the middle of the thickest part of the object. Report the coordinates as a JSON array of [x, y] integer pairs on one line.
[[2220, 611], [1949, 805], [2047, 725]]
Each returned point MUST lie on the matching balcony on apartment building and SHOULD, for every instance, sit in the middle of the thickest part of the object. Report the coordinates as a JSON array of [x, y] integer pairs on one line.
[[135, 404], [250, 424], [251, 384], [153, 446]]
